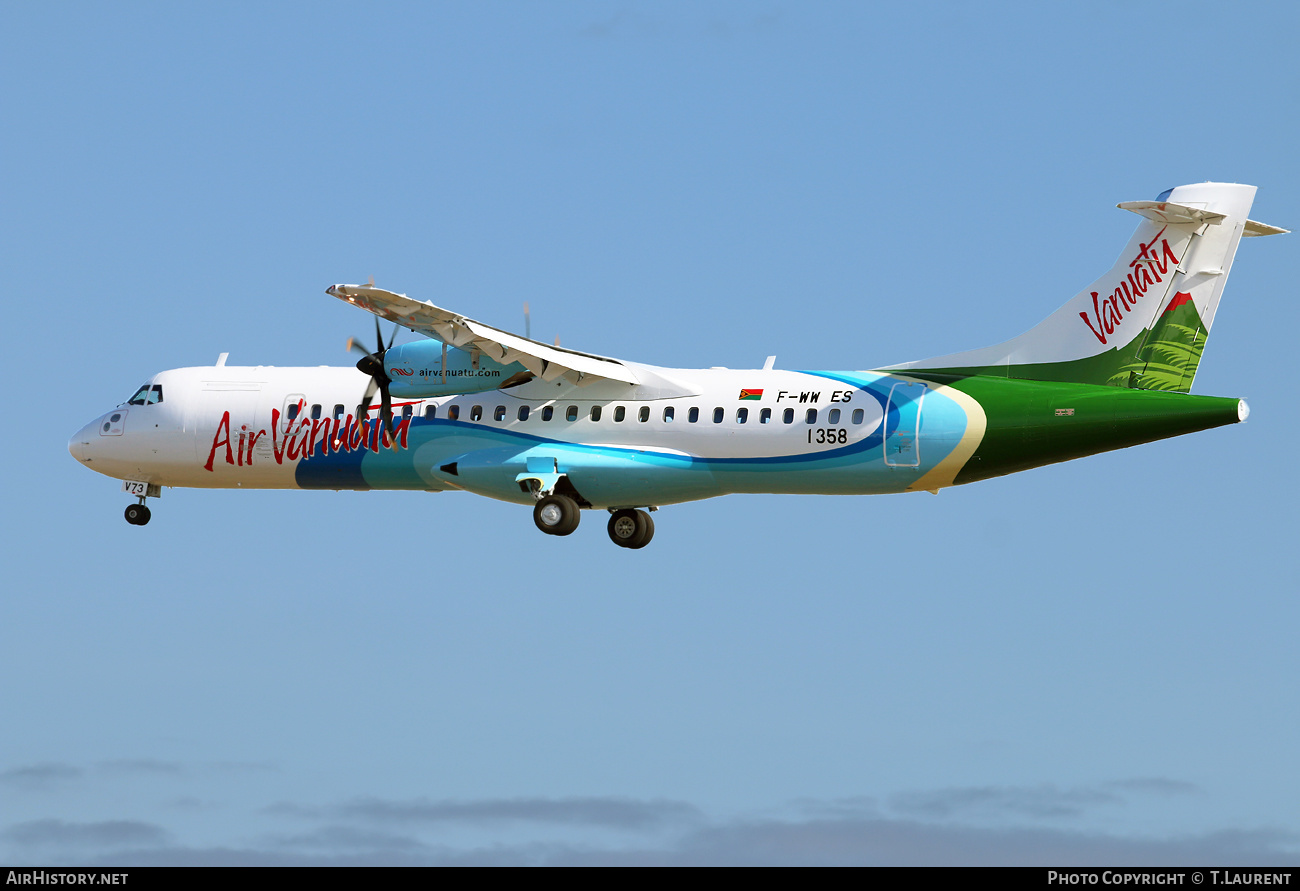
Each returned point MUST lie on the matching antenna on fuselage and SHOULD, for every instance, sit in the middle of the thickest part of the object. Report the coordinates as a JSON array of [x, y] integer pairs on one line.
[[528, 322]]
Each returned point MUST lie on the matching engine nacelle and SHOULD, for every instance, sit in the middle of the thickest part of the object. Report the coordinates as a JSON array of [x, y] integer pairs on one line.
[[416, 371]]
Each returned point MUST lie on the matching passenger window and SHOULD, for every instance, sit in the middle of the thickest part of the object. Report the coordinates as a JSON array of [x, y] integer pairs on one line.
[[811, 416], [668, 414], [291, 411], [453, 412], [315, 411], [857, 416], [595, 413], [787, 417], [571, 414], [548, 412], [833, 417], [499, 414], [693, 415], [338, 412], [717, 415], [644, 414], [764, 416], [407, 411], [619, 414], [430, 412], [523, 412], [476, 413], [742, 415]]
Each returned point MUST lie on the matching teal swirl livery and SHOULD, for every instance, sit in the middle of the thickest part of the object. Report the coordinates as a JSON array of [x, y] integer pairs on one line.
[[475, 408]]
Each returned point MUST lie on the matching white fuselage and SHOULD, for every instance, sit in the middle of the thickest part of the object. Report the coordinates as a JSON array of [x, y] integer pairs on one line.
[[693, 434]]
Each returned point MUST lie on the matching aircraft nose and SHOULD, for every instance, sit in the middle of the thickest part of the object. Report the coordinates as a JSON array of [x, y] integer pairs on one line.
[[79, 445]]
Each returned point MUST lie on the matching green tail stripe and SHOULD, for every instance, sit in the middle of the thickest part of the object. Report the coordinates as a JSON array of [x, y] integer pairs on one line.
[[1163, 357], [1032, 423]]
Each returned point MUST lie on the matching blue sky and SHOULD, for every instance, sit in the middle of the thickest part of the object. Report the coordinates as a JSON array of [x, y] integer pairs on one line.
[[1092, 662]]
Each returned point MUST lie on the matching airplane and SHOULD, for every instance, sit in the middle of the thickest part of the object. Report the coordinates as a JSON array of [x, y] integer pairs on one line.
[[475, 408]]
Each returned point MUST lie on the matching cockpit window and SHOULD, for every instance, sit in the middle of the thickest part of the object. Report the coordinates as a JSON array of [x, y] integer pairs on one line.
[[147, 395]]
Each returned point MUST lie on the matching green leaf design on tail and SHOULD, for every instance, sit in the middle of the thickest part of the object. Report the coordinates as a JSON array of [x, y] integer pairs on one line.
[[1169, 355]]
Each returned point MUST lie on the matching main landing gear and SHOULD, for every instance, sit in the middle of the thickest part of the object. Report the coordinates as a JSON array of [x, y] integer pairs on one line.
[[631, 528], [559, 515], [556, 514]]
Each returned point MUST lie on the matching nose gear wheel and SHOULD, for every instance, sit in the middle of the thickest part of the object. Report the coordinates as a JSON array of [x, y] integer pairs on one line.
[[137, 514]]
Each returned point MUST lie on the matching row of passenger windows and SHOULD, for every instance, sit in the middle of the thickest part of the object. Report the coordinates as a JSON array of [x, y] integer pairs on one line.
[[571, 413], [668, 414]]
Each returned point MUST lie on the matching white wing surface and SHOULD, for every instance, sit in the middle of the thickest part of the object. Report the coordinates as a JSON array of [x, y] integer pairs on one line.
[[547, 362]]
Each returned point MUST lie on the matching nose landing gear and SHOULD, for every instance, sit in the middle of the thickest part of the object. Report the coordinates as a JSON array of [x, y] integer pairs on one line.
[[138, 514]]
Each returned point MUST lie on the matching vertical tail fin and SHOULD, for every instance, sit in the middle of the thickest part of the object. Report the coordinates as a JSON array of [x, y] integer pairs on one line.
[[1144, 323]]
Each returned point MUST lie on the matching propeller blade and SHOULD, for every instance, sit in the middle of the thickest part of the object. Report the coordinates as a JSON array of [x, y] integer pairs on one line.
[[354, 343], [386, 410], [364, 407]]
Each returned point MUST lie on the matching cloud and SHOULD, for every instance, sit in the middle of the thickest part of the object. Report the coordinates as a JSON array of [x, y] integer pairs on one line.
[[976, 825], [779, 843], [40, 775], [1042, 802], [909, 842], [106, 833], [350, 838], [141, 766], [1038, 802], [979, 825], [1155, 786], [47, 773], [607, 812]]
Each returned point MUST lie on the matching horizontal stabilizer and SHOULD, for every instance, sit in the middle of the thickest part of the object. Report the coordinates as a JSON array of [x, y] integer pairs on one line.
[[1168, 212], [1254, 229]]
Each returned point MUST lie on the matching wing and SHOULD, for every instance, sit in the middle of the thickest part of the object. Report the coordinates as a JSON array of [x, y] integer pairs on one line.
[[547, 362]]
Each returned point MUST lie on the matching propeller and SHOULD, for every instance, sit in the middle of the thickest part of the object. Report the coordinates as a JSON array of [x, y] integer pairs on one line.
[[372, 364]]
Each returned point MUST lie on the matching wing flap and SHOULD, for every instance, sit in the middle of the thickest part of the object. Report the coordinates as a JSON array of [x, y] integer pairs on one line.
[[453, 329]]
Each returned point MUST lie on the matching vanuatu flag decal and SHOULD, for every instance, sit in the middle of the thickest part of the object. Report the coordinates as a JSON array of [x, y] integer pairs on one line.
[[751, 394]]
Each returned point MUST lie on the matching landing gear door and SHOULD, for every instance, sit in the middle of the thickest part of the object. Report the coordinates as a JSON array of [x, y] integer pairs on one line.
[[903, 440]]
